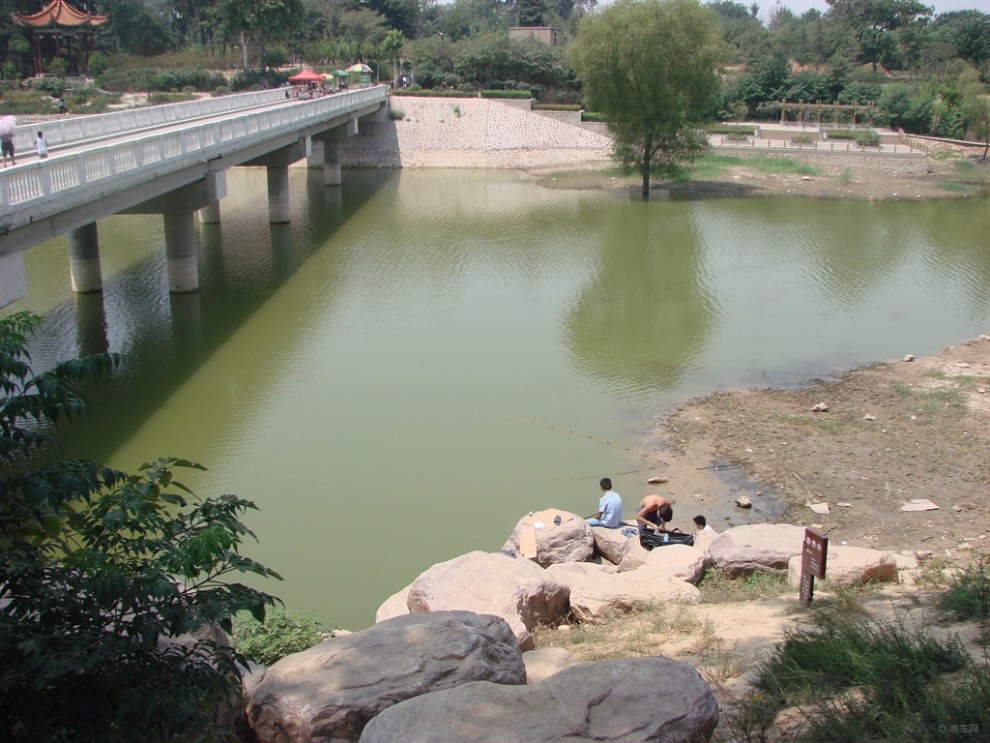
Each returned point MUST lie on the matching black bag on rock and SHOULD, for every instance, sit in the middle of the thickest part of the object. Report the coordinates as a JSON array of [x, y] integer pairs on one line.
[[649, 540]]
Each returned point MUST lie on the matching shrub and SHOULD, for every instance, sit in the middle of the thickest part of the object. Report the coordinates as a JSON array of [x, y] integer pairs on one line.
[[969, 594], [518, 94], [729, 129], [433, 93], [281, 634], [99, 62], [103, 571], [265, 78], [557, 106], [592, 116], [855, 135], [121, 80], [221, 90], [801, 139]]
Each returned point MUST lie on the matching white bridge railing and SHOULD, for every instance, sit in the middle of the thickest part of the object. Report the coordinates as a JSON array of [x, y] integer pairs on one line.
[[76, 128], [40, 189]]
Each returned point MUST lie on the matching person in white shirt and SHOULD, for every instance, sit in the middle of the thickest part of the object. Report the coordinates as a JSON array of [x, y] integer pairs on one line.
[[702, 525], [42, 145]]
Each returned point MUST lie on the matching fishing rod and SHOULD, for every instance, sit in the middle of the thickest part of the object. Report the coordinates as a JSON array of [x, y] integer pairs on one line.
[[584, 435]]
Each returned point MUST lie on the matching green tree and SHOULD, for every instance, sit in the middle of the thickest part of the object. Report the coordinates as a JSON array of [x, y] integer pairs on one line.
[[650, 68], [259, 21], [113, 584], [873, 20]]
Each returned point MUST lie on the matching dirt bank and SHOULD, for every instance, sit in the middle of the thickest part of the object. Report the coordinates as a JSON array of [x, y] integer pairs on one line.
[[893, 432], [949, 172]]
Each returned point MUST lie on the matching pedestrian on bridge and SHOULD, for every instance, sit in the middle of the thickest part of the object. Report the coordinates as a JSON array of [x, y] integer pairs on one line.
[[42, 145], [7, 124]]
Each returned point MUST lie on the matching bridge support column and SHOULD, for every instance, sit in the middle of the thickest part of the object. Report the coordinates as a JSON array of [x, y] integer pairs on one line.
[[278, 194], [210, 214], [84, 259], [331, 163], [180, 252], [314, 153]]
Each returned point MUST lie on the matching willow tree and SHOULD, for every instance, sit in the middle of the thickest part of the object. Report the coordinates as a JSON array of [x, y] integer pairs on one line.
[[650, 67]]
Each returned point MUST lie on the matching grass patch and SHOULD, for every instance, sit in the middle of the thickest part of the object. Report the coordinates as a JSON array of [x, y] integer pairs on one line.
[[829, 425], [845, 176], [622, 634], [878, 682], [765, 164], [968, 595], [280, 635], [933, 402], [718, 587], [710, 166], [958, 187]]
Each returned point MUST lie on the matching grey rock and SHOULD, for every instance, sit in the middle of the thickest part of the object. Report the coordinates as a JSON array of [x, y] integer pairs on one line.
[[330, 691], [629, 700]]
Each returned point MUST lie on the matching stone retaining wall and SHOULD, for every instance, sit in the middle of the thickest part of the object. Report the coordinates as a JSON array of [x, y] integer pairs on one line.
[[470, 133]]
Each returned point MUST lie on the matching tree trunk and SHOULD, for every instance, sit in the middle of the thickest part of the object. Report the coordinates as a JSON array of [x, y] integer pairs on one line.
[[242, 35], [647, 153]]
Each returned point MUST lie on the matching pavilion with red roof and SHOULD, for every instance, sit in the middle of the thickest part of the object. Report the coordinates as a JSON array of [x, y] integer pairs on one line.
[[56, 24]]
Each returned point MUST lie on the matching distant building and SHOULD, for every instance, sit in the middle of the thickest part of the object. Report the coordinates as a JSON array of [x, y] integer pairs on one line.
[[544, 34]]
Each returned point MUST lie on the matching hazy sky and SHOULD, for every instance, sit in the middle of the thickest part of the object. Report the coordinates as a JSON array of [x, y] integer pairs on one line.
[[800, 6]]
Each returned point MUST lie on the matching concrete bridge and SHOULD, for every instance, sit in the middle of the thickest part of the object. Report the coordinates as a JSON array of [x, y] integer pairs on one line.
[[168, 160]]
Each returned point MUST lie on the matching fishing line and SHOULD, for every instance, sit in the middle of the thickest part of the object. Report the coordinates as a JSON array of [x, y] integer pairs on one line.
[[583, 435]]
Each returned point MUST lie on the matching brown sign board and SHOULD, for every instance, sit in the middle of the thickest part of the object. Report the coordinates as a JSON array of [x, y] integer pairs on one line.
[[814, 555]]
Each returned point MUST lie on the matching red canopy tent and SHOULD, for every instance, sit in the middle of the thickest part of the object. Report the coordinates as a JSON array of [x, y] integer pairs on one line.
[[306, 76]]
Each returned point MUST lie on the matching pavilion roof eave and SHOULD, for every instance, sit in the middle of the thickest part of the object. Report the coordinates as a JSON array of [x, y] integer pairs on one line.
[[59, 13]]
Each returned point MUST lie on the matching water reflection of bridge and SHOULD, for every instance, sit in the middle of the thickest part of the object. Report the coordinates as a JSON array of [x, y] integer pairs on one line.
[[167, 160]]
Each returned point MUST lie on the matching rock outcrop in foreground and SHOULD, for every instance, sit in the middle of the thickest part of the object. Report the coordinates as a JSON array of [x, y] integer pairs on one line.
[[445, 660], [629, 700]]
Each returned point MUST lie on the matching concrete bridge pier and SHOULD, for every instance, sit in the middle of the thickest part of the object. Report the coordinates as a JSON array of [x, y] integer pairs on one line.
[[277, 164], [180, 252], [278, 194], [210, 214], [178, 209], [84, 259], [330, 142]]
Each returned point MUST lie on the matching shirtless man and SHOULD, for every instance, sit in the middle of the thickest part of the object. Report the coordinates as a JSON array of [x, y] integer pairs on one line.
[[650, 514]]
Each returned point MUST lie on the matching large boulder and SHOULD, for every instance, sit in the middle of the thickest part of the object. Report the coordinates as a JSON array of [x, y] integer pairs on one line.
[[612, 543], [679, 560], [516, 589], [744, 549], [594, 592], [542, 663], [849, 566], [546, 543], [628, 700], [634, 556], [394, 606], [330, 691]]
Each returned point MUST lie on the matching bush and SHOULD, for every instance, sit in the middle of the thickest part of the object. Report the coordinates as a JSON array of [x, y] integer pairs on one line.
[[265, 78], [969, 595], [518, 94], [592, 116], [281, 634], [557, 106], [729, 129], [801, 139], [99, 62], [122, 80], [103, 572], [221, 90], [433, 93], [863, 138]]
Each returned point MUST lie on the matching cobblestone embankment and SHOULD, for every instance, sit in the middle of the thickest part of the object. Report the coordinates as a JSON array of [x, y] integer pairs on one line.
[[470, 133]]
